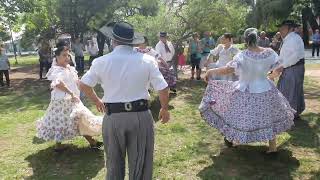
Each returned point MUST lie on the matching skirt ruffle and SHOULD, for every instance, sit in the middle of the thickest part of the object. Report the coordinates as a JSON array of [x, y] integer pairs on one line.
[[65, 120], [245, 117], [169, 76]]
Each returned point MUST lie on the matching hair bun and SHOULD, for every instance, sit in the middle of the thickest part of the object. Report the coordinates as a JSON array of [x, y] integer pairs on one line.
[[251, 36]]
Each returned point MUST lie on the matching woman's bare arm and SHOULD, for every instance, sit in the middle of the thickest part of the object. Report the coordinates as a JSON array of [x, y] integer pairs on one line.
[[219, 71]]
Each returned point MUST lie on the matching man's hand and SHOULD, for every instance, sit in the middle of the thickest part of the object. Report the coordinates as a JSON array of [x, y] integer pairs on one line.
[[91, 94], [74, 98], [164, 115], [100, 106], [279, 69]]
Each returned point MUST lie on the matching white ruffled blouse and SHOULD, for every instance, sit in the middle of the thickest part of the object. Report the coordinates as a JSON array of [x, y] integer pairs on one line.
[[252, 69], [225, 55], [68, 76]]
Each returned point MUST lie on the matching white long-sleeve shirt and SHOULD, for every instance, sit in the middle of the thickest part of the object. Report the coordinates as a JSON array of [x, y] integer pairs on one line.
[[167, 56], [292, 50], [67, 75], [225, 55], [92, 50], [252, 69]]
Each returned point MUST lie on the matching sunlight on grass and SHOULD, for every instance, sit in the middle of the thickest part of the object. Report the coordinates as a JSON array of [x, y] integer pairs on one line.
[[186, 148], [30, 60]]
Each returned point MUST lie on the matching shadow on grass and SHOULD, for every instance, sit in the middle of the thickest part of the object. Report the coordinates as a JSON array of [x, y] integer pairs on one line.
[[191, 90], [155, 106], [25, 94], [305, 134], [250, 162], [37, 140], [73, 163], [315, 176]]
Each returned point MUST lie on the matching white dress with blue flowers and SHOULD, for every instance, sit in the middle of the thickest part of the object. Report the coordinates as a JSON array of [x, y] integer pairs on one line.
[[65, 119], [251, 109]]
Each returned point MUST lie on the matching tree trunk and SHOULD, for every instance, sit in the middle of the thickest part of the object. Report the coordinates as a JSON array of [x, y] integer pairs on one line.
[[101, 39]]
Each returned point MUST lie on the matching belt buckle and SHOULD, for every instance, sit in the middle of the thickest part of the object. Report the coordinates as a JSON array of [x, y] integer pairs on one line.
[[128, 106]]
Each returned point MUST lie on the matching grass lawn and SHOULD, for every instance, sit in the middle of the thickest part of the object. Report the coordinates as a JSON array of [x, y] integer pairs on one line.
[[30, 60], [186, 148]]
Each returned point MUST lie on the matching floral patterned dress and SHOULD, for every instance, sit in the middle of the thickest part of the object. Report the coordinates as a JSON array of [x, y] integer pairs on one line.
[[251, 109], [167, 73], [65, 119]]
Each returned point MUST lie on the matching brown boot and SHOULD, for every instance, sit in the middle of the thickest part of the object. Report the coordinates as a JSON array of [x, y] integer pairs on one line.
[[192, 73]]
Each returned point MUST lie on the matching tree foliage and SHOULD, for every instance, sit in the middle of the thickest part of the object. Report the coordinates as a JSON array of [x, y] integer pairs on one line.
[[265, 14], [181, 18], [80, 16], [4, 35]]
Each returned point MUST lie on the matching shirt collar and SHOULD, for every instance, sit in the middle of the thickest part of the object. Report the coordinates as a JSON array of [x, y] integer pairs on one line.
[[289, 36], [122, 47]]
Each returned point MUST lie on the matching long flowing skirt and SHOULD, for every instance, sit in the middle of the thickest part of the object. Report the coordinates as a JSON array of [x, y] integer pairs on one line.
[[65, 120], [169, 75], [245, 117]]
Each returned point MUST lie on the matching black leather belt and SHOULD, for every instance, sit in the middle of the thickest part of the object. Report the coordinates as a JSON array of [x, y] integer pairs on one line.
[[134, 106], [301, 61]]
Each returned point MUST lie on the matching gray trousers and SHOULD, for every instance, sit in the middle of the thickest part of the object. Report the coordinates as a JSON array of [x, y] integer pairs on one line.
[[290, 84], [129, 133]]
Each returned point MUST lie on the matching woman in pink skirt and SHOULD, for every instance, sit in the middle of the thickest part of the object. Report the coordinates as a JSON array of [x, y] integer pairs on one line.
[[251, 109], [181, 60]]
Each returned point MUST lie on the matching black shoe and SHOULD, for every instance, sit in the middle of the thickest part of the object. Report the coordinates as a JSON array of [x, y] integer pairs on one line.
[[198, 78], [98, 145], [60, 149], [228, 143], [173, 91]]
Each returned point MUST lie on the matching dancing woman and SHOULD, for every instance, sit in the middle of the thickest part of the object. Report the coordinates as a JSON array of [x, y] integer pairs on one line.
[[66, 116], [164, 67], [251, 109], [225, 51]]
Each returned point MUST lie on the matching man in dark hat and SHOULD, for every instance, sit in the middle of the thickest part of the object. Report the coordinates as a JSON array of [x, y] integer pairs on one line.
[[166, 50], [125, 75], [292, 66]]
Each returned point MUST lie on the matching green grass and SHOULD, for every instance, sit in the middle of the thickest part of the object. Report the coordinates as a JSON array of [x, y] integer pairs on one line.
[[30, 60], [313, 66], [186, 148]]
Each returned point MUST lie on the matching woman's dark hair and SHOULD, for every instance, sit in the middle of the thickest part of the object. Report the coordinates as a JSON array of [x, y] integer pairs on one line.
[[227, 36], [60, 47], [251, 37]]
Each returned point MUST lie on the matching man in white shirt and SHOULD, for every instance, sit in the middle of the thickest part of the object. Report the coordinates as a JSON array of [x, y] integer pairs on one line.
[[125, 75], [93, 51], [291, 56], [165, 48]]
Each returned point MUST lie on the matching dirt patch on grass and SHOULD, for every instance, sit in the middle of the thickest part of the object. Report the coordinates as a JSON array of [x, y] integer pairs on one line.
[[22, 78], [313, 73]]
